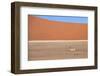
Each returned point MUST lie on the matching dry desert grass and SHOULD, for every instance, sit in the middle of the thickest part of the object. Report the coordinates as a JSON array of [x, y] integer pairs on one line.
[[44, 50]]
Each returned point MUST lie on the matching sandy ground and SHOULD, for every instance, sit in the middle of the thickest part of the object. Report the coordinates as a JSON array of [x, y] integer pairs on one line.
[[44, 50]]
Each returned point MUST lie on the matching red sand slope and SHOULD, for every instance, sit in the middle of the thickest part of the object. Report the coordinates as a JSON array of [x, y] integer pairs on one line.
[[42, 29]]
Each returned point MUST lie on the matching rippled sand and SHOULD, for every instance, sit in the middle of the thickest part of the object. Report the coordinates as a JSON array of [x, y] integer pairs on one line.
[[51, 50]]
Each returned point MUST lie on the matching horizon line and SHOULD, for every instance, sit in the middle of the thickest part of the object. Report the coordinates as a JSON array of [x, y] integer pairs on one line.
[[72, 19], [55, 40]]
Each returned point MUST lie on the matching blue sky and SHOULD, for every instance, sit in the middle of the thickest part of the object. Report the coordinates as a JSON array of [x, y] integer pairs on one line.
[[73, 19]]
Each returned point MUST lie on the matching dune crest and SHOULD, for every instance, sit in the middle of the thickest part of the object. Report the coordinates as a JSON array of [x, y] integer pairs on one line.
[[42, 29]]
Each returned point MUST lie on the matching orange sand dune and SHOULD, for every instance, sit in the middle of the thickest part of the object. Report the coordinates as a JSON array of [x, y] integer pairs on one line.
[[42, 29]]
